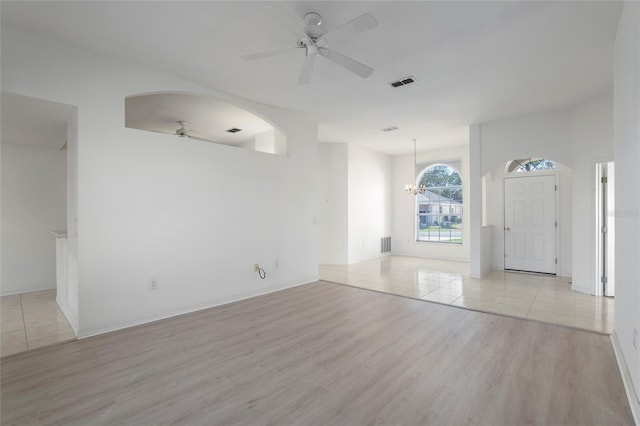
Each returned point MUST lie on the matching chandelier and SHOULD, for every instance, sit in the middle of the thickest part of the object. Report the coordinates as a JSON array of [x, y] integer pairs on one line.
[[413, 188]]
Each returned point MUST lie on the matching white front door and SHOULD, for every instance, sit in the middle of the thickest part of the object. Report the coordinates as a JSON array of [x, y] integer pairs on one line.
[[530, 224]]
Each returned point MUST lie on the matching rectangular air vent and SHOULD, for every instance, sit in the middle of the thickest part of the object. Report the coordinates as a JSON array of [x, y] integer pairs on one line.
[[385, 245], [390, 129], [403, 81], [234, 130]]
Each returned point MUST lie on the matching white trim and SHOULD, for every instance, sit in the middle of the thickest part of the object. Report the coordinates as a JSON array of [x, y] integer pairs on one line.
[[596, 220], [451, 259], [634, 402], [68, 315], [31, 290], [380, 256], [585, 290], [83, 334]]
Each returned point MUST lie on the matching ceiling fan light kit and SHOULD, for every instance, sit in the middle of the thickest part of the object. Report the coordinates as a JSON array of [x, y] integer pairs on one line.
[[313, 19], [315, 42]]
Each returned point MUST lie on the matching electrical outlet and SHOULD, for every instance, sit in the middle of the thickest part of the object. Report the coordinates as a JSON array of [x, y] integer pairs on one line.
[[153, 284], [635, 338]]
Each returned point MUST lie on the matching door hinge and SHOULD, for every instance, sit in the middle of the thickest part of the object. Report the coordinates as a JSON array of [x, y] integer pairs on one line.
[[556, 187], [604, 229], [556, 223], [603, 179], [556, 260], [603, 280]]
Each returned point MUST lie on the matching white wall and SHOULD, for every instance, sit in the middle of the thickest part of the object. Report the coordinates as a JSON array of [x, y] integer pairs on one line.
[[69, 298], [627, 158], [592, 139], [545, 135], [333, 203], [194, 215], [33, 204], [404, 205], [369, 199], [487, 249]]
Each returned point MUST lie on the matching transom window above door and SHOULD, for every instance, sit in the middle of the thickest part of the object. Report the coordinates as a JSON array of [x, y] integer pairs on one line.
[[529, 165]]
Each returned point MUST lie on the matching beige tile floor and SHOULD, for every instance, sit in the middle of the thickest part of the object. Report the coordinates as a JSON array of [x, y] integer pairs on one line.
[[31, 320], [537, 297]]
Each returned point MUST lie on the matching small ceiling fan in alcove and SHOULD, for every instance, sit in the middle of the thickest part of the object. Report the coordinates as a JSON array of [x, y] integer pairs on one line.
[[312, 37], [183, 132]]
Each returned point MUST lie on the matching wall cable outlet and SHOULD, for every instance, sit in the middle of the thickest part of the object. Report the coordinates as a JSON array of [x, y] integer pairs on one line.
[[261, 272]]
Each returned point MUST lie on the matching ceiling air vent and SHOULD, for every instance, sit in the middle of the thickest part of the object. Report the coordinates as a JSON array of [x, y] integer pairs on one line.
[[390, 129], [403, 81], [234, 130]]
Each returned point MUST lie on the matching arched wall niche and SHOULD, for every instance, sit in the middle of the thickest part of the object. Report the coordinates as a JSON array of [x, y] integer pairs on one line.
[[204, 118], [493, 212]]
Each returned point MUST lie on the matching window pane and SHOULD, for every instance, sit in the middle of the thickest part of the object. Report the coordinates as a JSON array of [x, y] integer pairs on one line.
[[529, 165], [440, 207]]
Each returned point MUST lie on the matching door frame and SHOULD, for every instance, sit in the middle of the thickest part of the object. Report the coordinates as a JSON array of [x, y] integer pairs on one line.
[[553, 173], [598, 216]]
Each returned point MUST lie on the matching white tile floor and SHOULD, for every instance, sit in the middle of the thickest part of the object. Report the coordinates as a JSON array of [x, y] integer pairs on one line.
[[30, 321], [542, 298]]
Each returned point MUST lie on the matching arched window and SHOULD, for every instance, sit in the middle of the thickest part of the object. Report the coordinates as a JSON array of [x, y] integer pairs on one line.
[[440, 207], [529, 165]]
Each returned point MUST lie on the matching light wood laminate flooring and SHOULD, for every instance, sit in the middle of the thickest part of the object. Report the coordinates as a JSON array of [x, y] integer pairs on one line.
[[31, 320], [322, 354], [536, 297]]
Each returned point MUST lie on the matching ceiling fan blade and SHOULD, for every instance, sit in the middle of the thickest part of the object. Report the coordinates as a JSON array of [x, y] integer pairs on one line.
[[350, 64], [307, 70], [296, 26], [358, 25], [201, 139], [159, 131], [267, 54]]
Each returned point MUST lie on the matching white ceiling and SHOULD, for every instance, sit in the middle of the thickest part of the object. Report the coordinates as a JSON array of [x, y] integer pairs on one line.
[[34, 122], [206, 118], [473, 61]]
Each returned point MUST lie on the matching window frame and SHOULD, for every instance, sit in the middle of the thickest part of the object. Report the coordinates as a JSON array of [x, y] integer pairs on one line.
[[438, 211]]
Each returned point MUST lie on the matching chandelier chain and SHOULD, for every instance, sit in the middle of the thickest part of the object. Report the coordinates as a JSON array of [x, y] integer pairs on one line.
[[414, 188]]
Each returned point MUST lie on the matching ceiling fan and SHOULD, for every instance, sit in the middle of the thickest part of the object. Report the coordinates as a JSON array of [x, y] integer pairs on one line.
[[312, 37], [183, 132]]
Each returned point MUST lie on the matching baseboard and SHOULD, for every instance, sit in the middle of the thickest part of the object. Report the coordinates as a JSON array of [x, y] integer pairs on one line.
[[582, 289], [486, 270], [71, 319], [632, 396], [450, 259], [377, 256], [31, 290], [83, 334]]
